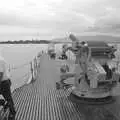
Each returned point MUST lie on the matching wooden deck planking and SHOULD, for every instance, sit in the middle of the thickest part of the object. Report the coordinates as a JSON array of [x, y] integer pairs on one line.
[[41, 101]]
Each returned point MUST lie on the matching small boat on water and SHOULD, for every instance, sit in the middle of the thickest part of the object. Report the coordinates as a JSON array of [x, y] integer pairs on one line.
[[96, 72]]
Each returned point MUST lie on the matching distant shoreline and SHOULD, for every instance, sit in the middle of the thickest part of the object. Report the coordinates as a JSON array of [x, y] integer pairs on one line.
[[105, 38], [48, 42], [36, 43], [26, 42]]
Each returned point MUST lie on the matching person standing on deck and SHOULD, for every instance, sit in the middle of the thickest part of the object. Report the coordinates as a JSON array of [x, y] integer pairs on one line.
[[5, 90], [81, 64]]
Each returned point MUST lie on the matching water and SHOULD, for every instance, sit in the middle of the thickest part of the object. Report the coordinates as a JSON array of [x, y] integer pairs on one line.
[[19, 54]]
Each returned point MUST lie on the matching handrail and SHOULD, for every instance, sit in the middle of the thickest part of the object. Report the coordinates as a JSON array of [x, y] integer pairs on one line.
[[20, 66], [32, 72]]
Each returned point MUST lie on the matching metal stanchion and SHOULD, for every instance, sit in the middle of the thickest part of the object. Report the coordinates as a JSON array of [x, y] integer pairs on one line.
[[32, 71]]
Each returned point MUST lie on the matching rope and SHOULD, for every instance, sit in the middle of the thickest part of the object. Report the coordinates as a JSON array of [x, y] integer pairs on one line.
[[23, 65], [23, 76], [31, 71], [17, 67]]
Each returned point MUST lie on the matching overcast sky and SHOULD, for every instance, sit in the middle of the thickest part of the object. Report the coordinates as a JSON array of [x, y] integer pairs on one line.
[[46, 19]]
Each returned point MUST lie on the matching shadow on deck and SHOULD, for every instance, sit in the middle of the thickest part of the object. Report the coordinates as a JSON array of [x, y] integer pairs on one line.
[[41, 101]]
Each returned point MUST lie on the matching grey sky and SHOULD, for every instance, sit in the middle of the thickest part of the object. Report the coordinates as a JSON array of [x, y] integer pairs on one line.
[[55, 18]]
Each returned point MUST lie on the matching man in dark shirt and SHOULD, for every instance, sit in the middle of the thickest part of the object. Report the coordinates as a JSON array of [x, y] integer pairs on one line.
[[5, 90]]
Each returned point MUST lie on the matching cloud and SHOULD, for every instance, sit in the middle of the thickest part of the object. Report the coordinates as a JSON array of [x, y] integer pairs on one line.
[[56, 17], [110, 22], [35, 13], [63, 21]]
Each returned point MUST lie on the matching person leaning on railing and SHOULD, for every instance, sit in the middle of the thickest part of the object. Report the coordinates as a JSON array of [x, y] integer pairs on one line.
[[5, 84]]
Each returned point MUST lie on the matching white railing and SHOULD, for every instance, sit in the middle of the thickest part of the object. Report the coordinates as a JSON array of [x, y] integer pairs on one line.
[[30, 75]]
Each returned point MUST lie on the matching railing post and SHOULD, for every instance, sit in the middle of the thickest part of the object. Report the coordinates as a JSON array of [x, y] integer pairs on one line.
[[9, 68], [32, 71], [35, 67]]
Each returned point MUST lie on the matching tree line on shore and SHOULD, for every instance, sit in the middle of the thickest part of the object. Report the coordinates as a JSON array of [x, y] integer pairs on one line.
[[26, 42]]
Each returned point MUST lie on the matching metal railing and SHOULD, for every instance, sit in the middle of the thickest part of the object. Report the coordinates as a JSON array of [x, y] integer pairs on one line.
[[31, 73]]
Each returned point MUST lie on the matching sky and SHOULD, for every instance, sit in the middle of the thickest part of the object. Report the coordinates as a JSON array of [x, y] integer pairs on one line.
[[48, 19]]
